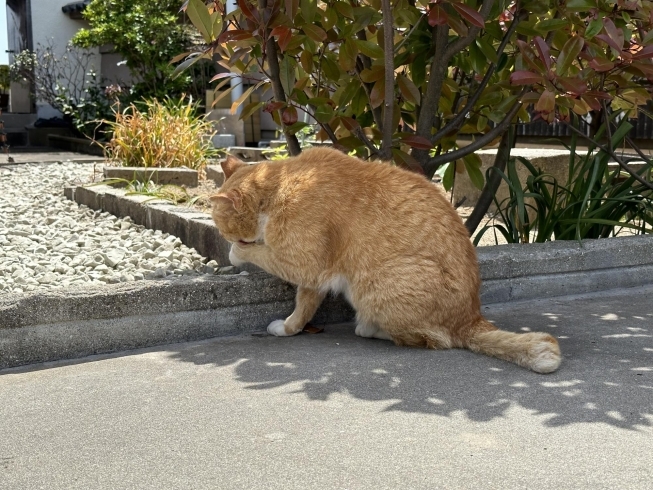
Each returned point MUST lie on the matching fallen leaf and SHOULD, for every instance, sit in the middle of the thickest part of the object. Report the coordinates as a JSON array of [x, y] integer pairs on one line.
[[312, 329]]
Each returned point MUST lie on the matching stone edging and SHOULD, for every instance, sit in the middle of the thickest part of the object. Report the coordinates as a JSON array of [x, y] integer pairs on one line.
[[82, 321]]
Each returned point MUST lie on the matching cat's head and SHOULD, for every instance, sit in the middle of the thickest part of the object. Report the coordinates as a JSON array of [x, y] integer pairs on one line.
[[236, 205]]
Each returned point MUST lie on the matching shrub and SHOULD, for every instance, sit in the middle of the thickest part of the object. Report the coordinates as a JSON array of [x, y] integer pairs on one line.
[[164, 134]]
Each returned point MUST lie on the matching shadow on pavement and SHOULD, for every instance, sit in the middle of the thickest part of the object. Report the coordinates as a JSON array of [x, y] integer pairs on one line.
[[606, 376]]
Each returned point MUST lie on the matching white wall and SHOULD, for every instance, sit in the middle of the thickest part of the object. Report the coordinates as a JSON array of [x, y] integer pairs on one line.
[[50, 23]]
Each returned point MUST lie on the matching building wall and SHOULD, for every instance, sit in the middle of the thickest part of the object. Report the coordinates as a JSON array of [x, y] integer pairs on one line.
[[50, 24]]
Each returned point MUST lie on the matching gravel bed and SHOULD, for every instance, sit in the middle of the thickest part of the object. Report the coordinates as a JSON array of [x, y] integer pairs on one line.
[[47, 241]]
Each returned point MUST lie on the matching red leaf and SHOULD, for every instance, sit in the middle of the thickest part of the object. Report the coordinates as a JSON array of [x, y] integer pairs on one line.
[[437, 16], [235, 35], [289, 116], [247, 11], [594, 104], [615, 33], [528, 55], [575, 86], [601, 64], [274, 106], [547, 102], [404, 160], [349, 123], [543, 50], [607, 39], [415, 141], [469, 14], [525, 77], [284, 34]]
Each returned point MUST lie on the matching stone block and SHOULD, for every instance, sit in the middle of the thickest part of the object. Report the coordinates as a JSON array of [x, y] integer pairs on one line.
[[215, 173], [175, 176]]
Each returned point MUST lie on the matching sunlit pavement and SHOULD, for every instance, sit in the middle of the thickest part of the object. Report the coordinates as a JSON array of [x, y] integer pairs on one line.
[[332, 411]]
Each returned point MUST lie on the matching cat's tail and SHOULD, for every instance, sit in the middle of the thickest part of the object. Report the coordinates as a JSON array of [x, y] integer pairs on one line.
[[533, 350]]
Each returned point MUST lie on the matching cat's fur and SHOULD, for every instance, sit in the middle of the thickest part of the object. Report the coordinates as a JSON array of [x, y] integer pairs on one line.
[[384, 237]]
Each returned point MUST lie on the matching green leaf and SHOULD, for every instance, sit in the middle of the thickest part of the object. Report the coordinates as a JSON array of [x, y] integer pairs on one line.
[[363, 17], [593, 28], [345, 10], [244, 97], [568, 54], [487, 49], [477, 58], [292, 129], [251, 108], [408, 90], [369, 48], [316, 33], [200, 17], [473, 167], [308, 7], [216, 21], [182, 66], [323, 113], [331, 69], [581, 5], [551, 25], [287, 74], [447, 175], [348, 53]]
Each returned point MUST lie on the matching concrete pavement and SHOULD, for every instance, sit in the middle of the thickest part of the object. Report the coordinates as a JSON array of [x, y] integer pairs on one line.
[[333, 410]]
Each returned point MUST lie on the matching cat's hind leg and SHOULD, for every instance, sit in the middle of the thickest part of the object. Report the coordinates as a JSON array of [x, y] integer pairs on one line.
[[371, 330], [307, 302]]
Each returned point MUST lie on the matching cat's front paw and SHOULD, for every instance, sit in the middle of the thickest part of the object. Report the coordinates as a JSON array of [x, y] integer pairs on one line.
[[234, 257], [278, 328]]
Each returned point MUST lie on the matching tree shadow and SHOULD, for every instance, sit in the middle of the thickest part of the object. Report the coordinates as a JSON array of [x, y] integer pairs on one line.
[[606, 376]]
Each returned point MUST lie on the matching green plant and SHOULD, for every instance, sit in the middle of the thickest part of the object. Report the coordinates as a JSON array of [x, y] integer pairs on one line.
[[147, 35], [163, 134], [595, 202]]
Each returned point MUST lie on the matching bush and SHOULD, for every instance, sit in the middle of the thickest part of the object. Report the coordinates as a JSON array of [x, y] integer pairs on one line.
[[164, 134]]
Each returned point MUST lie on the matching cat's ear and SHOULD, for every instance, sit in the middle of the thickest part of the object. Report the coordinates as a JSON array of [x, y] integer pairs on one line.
[[232, 197], [230, 165]]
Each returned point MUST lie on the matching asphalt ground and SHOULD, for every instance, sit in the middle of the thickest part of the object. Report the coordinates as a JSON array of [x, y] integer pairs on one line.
[[334, 411]]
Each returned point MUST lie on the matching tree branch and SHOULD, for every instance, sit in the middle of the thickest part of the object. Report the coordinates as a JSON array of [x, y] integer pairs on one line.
[[433, 164], [493, 181], [277, 87], [388, 45], [455, 123], [431, 99]]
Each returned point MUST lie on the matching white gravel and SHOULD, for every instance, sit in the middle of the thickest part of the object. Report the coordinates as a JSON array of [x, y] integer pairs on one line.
[[47, 241]]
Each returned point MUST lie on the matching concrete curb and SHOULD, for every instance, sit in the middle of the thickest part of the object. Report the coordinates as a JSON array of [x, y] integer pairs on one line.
[[79, 322], [543, 270]]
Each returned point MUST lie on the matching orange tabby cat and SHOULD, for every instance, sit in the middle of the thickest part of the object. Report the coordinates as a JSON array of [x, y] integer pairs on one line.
[[384, 237]]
